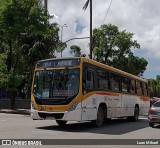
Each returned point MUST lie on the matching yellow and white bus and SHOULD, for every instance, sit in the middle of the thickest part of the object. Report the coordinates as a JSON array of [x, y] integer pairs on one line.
[[81, 89]]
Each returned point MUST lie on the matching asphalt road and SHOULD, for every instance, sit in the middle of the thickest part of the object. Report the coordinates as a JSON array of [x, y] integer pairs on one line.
[[15, 126]]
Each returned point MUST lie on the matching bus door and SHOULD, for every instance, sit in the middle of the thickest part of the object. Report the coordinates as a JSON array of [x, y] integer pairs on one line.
[[89, 111]]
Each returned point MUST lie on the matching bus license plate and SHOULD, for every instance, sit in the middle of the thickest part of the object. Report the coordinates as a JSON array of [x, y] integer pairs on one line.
[[50, 118]]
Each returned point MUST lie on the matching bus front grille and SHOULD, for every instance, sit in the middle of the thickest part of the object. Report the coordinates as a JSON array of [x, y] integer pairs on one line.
[[51, 115], [53, 101]]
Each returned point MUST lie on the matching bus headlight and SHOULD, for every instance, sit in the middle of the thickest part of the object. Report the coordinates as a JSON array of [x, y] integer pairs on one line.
[[73, 106]]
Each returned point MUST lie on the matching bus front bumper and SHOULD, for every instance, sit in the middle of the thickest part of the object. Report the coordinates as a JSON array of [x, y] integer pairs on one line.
[[67, 115]]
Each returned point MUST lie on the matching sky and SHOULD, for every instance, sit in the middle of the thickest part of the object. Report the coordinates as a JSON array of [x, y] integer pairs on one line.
[[141, 17]]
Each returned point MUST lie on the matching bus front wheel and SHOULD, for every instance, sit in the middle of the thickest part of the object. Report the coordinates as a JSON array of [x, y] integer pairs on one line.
[[100, 118], [61, 122]]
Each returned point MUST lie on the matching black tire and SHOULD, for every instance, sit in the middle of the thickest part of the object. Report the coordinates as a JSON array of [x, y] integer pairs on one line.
[[61, 122], [151, 124], [100, 118], [136, 115]]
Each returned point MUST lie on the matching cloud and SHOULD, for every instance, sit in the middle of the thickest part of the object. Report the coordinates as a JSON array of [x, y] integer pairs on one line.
[[140, 17], [79, 26]]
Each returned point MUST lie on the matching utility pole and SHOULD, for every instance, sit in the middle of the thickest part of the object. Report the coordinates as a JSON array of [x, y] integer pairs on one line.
[[84, 8]]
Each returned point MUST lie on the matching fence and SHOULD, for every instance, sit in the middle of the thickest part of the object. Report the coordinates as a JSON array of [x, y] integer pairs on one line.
[[19, 104]]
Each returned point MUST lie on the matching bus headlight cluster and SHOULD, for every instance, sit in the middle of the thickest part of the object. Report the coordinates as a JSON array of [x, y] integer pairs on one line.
[[73, 106]]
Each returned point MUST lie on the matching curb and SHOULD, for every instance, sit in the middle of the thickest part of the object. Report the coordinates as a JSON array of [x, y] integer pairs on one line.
[[18, 111]]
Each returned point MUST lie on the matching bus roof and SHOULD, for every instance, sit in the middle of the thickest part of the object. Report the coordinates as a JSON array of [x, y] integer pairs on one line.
[[100, 65]]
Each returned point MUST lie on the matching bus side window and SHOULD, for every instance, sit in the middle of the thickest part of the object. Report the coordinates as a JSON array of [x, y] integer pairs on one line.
[[131, 86], [142, 89], [115, 82], [89, 80], [139, 88], [102, 79], [125, 85], [145, 88]]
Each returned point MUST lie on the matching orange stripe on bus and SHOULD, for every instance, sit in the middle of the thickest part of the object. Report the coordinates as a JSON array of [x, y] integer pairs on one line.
[[108, 93], [144, 98]]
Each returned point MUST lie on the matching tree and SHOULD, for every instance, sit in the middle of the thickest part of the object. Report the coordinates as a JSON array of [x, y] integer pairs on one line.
[[26, 36], [113, 47], [129, 64], [76, 51], [154, 85]]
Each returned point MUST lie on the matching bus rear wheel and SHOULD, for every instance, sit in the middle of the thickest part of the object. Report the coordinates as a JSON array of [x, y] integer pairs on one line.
[[100, 118], [61, 122], [136, 115]]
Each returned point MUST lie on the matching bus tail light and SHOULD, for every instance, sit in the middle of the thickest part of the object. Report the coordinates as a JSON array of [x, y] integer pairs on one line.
[[73, 106]]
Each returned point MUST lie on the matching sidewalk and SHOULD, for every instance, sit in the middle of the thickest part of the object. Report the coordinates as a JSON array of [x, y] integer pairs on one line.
[[17, 111]]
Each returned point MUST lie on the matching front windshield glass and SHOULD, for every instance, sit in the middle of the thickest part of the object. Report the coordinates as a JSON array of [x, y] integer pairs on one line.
[[157, 104], [62, 83]]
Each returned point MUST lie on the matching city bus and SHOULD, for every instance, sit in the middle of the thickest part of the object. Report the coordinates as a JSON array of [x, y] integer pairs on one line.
[[81, 89]]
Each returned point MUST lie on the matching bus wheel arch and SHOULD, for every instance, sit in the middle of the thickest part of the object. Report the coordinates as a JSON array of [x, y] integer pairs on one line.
[[135, 117], [101, 115]]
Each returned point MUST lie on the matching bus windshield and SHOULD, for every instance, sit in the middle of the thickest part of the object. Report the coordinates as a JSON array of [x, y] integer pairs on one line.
[[58, 84]]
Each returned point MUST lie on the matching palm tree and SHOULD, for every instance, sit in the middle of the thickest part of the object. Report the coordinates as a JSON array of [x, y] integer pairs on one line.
[[86, 5]]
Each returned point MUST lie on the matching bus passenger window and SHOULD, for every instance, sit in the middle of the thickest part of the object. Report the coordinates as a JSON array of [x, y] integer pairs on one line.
[[132, 86], [145, 89], [115, 82], [141, 84], [138, 88], [103, 79], [90, 80], [124, 84]]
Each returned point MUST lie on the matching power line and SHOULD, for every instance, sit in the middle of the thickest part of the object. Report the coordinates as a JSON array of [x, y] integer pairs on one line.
[[107, 11]]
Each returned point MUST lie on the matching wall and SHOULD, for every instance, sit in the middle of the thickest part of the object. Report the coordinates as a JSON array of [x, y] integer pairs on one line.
[[19, 104]]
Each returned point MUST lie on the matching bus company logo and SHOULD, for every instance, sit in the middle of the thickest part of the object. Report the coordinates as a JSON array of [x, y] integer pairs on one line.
[[6, 142]]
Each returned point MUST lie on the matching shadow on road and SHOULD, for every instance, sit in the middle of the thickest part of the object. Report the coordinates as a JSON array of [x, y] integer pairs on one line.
[[113, 127]]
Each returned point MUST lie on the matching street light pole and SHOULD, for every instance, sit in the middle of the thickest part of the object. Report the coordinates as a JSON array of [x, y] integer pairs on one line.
[[62, 34]]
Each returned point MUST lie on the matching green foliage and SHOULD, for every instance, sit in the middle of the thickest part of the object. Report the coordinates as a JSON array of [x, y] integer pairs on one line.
[[26, 36], [129, 64], [3, 70], [76, 51], [11, 78], [61, 46], [113, 47], [155, 87]]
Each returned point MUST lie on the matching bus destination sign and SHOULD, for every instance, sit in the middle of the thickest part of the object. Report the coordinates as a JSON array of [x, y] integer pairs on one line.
[[58, 63]]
